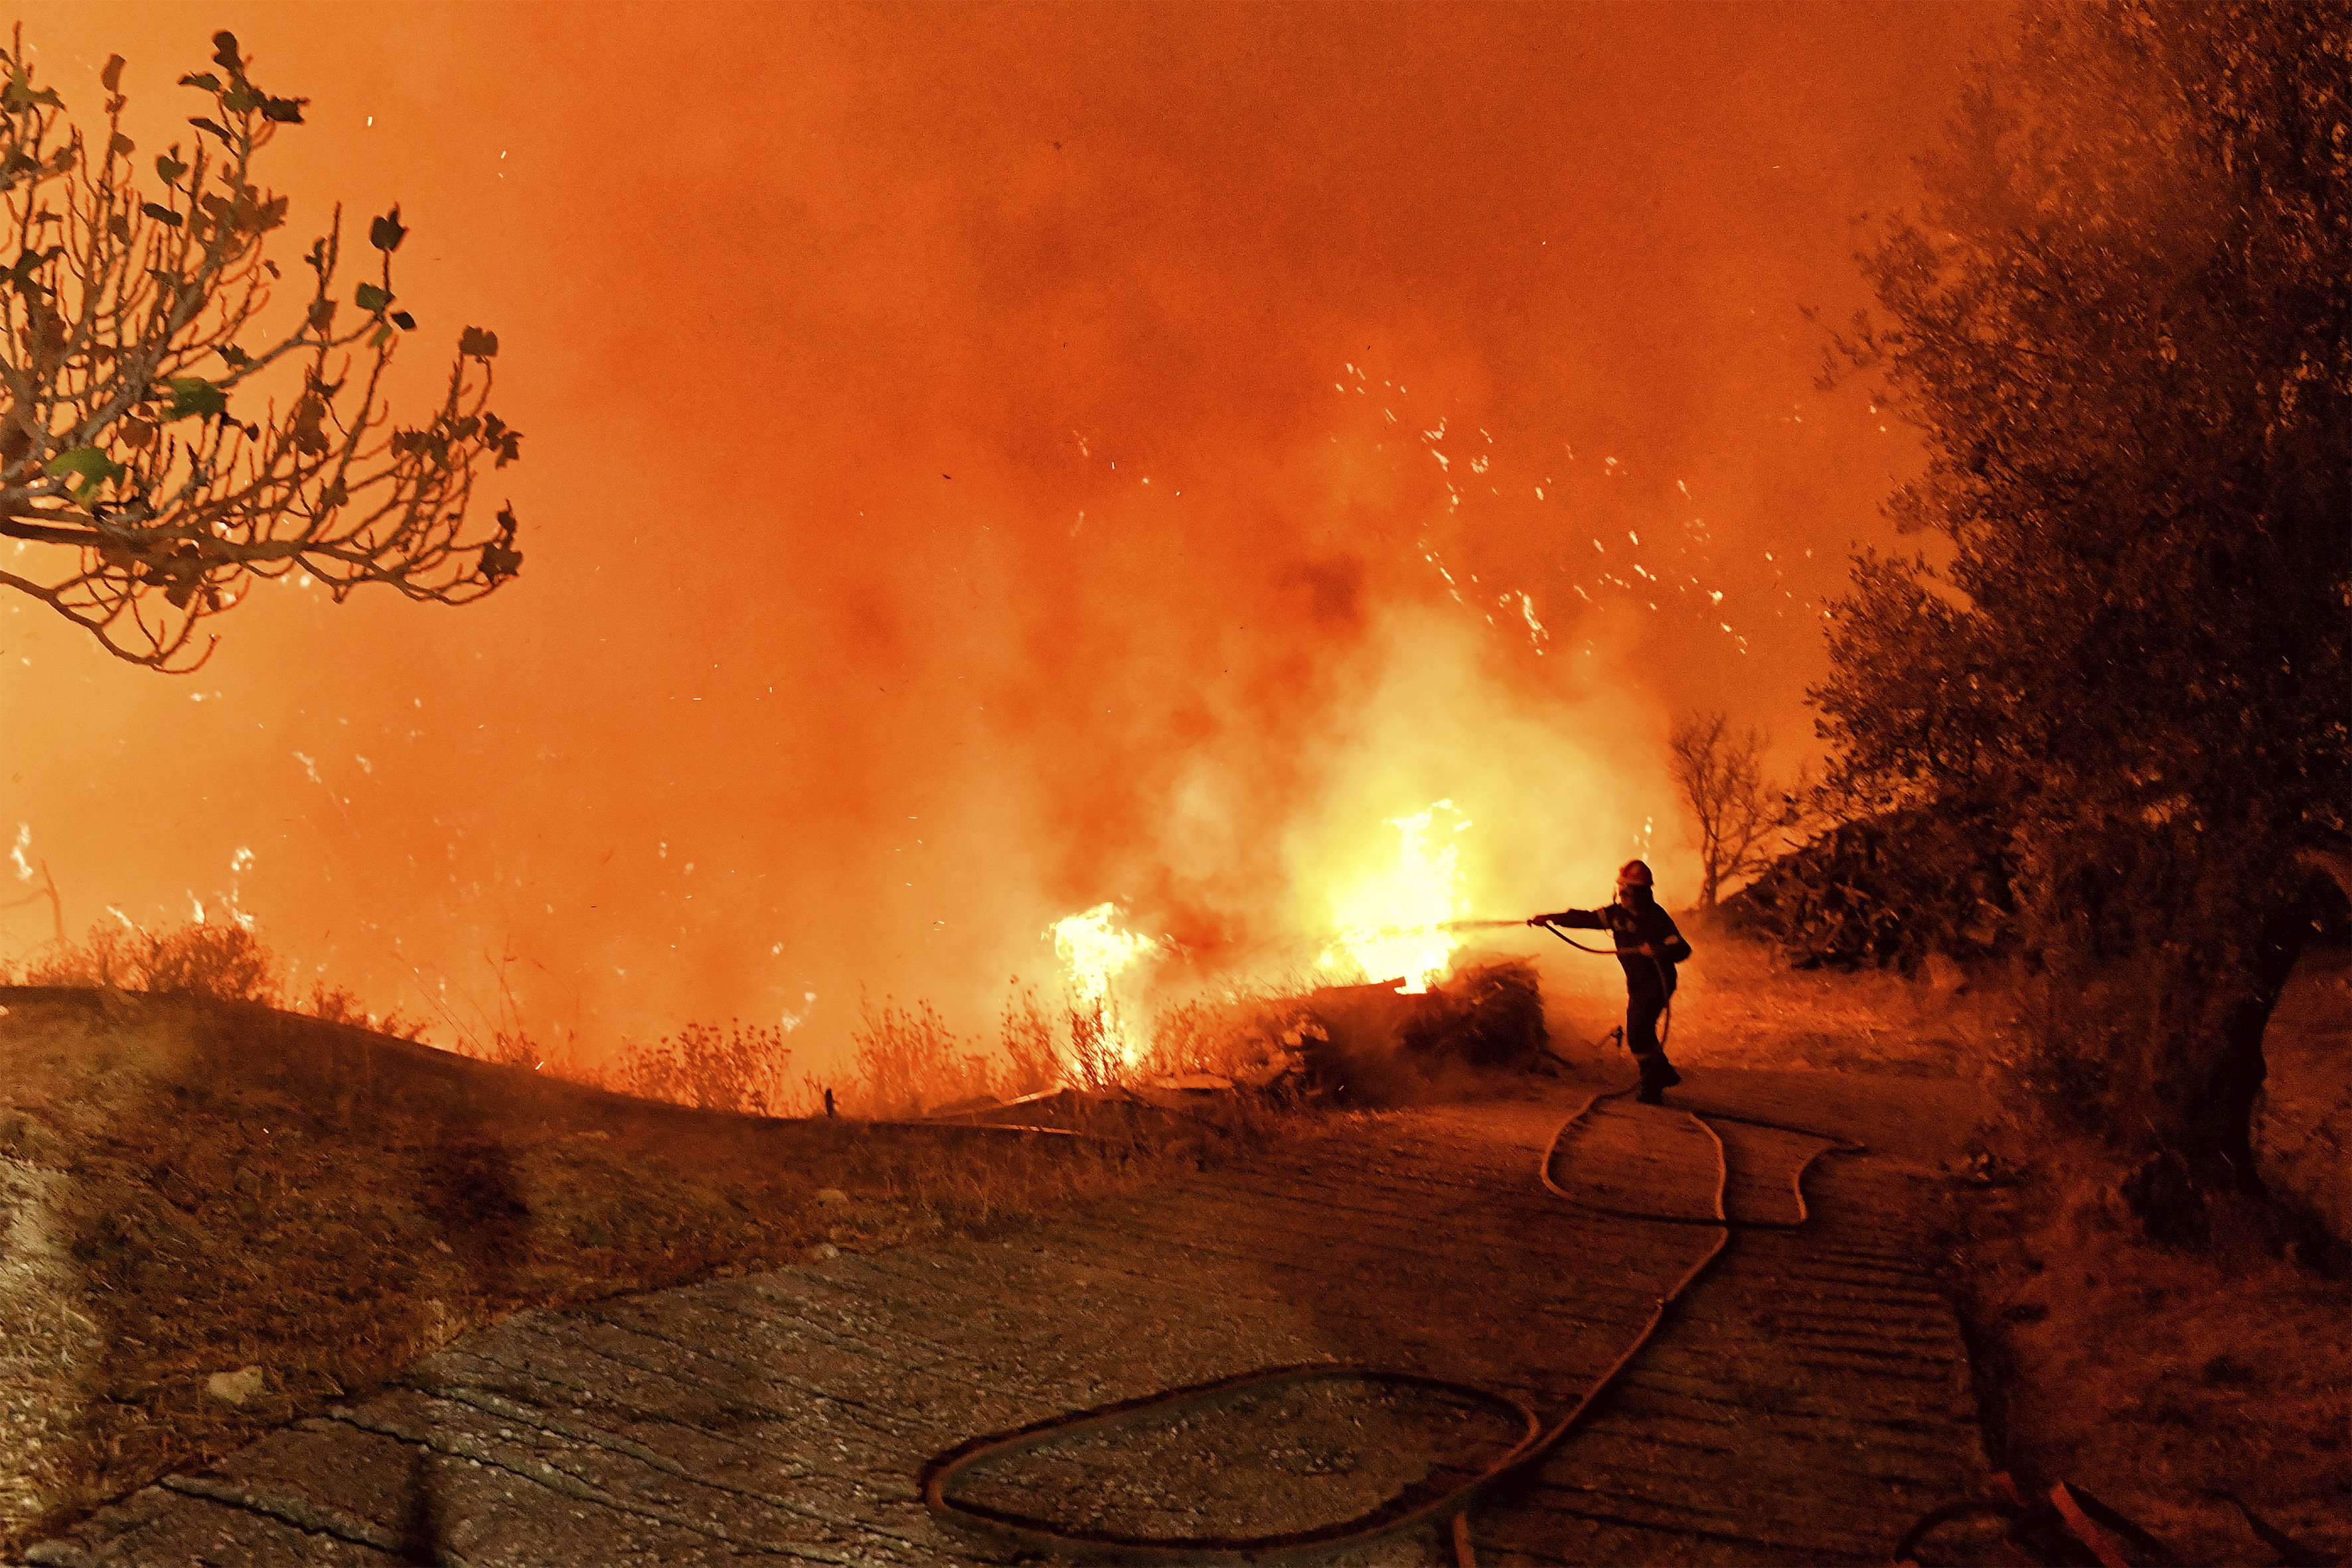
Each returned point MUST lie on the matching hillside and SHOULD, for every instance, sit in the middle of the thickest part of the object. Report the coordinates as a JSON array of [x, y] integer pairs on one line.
[[191, 1188]]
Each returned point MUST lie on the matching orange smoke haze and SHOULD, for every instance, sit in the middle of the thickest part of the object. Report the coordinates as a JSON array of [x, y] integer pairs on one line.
[[981, 462]]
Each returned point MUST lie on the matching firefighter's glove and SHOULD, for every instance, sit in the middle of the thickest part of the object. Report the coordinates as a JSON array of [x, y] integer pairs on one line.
[[1538, 920]]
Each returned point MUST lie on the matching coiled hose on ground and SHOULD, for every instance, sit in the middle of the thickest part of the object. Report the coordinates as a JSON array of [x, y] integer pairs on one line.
[[1400, 1514]]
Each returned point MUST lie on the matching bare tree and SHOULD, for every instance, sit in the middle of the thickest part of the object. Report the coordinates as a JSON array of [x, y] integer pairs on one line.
[[1744, 819], [118, 446]]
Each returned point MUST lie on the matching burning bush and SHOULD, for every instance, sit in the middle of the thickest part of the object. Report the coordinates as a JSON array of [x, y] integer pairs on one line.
[[1490, 1016]]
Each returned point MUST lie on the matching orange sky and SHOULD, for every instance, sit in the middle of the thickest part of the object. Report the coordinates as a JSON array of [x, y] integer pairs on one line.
[[979, 462]]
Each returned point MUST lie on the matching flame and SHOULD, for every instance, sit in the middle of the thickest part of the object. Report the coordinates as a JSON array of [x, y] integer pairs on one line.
[[1394, 924], [1093, 951]]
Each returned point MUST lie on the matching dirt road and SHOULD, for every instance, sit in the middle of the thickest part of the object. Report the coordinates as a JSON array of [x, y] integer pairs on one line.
[[1805, 1401]]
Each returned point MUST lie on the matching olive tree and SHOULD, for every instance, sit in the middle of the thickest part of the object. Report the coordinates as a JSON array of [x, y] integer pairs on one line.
[[2123, 325], [132, 353]]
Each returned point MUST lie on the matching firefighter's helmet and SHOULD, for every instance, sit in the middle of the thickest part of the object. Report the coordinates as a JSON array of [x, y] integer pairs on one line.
[[1633, 874]]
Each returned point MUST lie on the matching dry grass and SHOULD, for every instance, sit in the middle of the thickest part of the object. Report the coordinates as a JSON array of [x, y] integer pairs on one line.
[[225, 962], [739, 1069], [1228, 1034], [907, 1063]]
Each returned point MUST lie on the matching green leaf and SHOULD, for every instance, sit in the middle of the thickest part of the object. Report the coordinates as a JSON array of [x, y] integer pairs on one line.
[[192, 395], [20, 93], [168, 167], [206, 81], [204, 123], [385, 232], [240, 98], [224, 51], [478, 342], [122, 144], [368, 296], [111, 78], [383, 336], [283, 111], [403, 321], [160, 213], [94, 467]]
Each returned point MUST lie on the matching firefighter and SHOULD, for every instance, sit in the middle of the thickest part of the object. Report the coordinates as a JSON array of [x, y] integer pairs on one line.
[[1649, 947]]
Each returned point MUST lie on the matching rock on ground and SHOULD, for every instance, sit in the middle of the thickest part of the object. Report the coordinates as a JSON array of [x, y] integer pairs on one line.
[[2302, 1115]]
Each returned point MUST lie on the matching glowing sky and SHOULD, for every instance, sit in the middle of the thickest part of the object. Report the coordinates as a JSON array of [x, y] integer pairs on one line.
[[983, 461]]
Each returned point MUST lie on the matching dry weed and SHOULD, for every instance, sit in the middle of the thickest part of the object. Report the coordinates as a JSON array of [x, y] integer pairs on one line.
[[1035, 1061], [227, 963], [908, 1061], [1227, 1034], [741, 1069]]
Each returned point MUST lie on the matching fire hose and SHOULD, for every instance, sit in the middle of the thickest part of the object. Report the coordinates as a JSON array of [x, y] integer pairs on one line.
[[1401, 1514], [1666, 982]]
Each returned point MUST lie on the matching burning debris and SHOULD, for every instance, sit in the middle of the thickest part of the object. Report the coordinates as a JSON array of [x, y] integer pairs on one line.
[[1399, 922], [1376, 1044]]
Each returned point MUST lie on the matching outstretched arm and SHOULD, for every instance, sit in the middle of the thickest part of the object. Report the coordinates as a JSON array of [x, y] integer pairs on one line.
[[1574, 920]]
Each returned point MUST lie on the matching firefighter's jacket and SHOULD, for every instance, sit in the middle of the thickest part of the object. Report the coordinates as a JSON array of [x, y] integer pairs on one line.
[[1633, 924]]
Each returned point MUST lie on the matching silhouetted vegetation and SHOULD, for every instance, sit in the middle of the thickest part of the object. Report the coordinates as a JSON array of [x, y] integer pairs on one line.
[[223, 961], [1744, 818], [133, 323], [741, 1068], [1887, 890], [2122, 323], [1490, 1016]]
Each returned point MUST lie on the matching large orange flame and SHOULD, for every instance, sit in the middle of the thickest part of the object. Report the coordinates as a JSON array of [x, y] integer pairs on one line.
[[1392, 923], [1093, 951]]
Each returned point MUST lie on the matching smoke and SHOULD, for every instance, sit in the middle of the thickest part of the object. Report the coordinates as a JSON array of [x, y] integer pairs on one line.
[[979, 466]]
